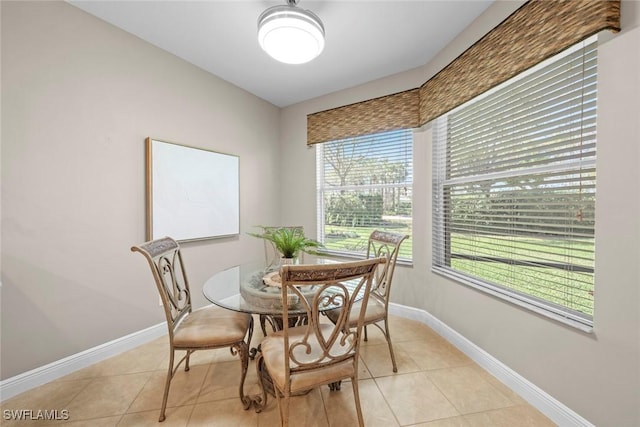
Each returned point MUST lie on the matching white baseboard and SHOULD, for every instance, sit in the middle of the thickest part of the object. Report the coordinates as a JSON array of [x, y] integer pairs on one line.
[[555, 410], [44, 374]]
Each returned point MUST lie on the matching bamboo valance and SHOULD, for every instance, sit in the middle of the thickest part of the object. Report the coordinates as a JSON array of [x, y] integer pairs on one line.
[[397, 111], [533, 33], [537, 30]]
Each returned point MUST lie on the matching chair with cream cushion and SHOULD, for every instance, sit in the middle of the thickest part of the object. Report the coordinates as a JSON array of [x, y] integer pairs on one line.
[[190, 330], [304, 357], [387, 244]]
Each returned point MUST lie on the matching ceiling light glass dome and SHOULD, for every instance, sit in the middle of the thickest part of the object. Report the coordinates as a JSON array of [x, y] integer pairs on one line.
[[290, 34]]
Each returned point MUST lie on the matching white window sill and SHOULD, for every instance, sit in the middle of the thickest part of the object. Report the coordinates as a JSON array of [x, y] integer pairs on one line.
[[537, 307]]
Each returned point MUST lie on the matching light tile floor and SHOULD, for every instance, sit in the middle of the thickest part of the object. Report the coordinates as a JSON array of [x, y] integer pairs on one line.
[[435, 386]]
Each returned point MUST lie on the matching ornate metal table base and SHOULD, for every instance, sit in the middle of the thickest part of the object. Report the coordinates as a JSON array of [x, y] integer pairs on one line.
[[276, 322], [335, 386]]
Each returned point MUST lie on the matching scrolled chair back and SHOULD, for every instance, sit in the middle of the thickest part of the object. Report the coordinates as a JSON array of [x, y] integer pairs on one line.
[[335, 286], [165, 260], [384, 244]]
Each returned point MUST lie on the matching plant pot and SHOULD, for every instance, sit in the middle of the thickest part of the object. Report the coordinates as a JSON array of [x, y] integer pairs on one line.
[[288, 261]]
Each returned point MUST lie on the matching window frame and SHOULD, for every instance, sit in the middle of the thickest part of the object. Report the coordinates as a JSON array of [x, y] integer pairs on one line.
[[441, 250]]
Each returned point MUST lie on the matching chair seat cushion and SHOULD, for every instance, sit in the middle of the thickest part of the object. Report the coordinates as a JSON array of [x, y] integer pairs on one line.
[[375, 312], [273, 353], [211, 327]]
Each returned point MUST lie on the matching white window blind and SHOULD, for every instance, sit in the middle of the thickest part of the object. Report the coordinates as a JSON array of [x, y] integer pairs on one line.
[[514, 186], [363, 184]]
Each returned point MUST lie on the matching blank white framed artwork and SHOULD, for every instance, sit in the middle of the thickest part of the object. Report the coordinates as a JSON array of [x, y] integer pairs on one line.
[[192, 193]]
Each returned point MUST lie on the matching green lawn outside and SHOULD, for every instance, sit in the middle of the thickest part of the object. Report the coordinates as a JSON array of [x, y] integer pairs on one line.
[[573, 290], [570, 289], [354, 239]]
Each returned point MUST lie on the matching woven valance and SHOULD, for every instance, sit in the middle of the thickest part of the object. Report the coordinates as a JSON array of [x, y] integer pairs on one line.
[[533, 33], [397, 111], [537, 30]]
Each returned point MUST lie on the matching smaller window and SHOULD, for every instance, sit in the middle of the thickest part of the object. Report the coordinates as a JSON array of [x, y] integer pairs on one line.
[[363, 184]]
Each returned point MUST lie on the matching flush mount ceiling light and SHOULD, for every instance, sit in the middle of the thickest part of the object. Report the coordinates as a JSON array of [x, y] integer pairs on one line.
[[290, 34]]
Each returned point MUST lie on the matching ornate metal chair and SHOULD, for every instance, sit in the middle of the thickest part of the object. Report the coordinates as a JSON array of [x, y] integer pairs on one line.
[[387, 244], [304, 357], [190, 330]]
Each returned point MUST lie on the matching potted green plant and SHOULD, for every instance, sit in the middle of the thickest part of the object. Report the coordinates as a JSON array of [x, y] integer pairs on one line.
[[289, 241]]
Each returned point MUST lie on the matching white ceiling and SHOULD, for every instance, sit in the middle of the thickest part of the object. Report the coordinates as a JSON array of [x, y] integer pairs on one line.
[[365, 40]]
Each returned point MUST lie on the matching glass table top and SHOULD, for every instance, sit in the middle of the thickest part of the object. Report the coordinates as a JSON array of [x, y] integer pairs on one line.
[[243, 288]]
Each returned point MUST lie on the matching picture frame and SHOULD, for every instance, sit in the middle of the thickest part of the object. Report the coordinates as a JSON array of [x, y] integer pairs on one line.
[[191, 193]]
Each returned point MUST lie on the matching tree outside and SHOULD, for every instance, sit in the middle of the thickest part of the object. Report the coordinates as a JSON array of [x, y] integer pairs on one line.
[[367, 185]]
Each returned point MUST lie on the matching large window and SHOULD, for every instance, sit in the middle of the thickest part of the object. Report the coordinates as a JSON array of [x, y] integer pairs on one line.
[[514, 187], [364, 183]]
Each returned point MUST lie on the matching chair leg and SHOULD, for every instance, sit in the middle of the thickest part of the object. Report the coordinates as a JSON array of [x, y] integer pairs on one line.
[[356, 397], [167, 384], [278, 402], [283, 406], [366, 338], [388, 337]]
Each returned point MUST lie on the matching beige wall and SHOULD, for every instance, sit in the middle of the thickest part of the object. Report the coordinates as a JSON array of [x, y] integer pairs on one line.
[[597, 375], [78, 99]]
